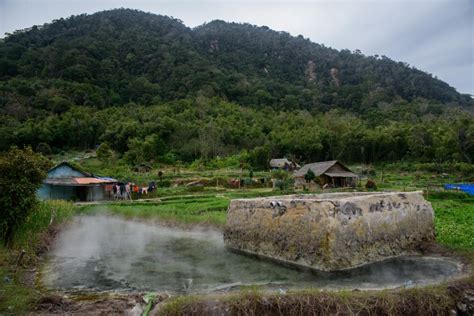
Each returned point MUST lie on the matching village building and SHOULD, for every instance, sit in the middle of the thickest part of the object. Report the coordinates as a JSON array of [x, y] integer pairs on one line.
[[283, 164], [67, 182], [332, 173]]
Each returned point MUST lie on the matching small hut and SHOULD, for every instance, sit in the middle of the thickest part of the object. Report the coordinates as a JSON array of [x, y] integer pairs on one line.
[[67, 182], [327, 172], [283, 164]]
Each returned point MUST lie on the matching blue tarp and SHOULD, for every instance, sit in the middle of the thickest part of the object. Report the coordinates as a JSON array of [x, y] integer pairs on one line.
[[468, 188]]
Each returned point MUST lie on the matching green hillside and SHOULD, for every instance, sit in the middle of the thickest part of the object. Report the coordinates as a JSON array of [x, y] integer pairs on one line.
[[154, 89]]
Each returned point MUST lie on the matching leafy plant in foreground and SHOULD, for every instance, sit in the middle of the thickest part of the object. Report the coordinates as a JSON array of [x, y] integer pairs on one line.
[[21, 174]]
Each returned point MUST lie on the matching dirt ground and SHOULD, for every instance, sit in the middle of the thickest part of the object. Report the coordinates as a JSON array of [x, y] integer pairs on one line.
[[96, 304]]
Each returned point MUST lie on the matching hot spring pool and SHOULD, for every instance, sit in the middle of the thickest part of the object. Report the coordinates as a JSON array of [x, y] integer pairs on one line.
[[100, 252]]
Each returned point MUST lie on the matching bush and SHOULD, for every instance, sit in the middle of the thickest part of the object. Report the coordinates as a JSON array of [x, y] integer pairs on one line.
[[163, 184], [280, 174], [21, 174], [309, 176], [47, 213], [259, 157], [280, 184], [104, 152], [370, 185]]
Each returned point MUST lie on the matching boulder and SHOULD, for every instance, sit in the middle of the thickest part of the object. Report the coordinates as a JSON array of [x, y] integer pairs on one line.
[[333, 231]]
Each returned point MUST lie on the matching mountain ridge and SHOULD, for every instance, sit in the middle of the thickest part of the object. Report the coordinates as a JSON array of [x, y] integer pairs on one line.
[[152, 89], [247, 64]]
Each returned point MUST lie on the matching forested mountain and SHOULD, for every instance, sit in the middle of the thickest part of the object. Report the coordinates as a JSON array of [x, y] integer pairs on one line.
[[61, 83]]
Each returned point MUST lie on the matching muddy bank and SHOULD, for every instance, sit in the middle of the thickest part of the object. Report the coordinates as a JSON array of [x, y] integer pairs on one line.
[[100, 304], [453, 299]]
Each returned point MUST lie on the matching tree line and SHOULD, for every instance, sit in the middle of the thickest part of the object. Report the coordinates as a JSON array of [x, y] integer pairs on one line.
[[152, 89], [202, 128]]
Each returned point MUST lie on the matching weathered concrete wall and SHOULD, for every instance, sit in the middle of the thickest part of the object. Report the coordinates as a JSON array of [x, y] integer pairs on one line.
[[330, 231]]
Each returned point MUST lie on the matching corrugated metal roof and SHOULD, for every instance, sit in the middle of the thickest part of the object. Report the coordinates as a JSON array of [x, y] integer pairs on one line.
[[78, 181], [91, 180]]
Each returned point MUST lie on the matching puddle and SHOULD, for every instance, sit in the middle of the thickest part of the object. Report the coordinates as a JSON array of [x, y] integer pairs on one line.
[[109, 253]]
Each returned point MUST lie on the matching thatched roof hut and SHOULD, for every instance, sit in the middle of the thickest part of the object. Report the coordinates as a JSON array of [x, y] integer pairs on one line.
[[331, 172]]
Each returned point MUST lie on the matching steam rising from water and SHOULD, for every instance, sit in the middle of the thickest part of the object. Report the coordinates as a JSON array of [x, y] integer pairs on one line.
[[109, 253]]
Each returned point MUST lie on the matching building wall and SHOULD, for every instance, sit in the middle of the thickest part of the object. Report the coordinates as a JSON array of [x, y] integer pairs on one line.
[[43, 192], [95, 193], [56, 192]]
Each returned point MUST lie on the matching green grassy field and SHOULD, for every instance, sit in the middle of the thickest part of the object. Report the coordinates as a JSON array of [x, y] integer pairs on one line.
[[16, 297], [454, 220], [204, 210]]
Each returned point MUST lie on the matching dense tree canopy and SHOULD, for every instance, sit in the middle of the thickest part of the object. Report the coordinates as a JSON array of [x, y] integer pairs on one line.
[[153, 89]]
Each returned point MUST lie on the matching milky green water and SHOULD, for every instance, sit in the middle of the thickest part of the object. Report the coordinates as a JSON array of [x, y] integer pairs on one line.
[[109, 253]]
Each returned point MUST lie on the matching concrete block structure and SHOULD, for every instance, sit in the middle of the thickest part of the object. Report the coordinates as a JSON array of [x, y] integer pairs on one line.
[[333, 231]]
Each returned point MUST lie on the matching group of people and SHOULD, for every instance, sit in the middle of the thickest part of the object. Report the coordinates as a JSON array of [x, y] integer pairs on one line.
[[123, 191]]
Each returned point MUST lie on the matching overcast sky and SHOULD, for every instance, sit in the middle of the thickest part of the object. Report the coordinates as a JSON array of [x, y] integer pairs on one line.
[[436, 36]]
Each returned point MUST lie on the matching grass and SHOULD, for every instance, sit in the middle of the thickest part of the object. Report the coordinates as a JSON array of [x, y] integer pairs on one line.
[[49, 213], [437, 300], [454, 220], [185, 210], [201, 208], [15, 297]]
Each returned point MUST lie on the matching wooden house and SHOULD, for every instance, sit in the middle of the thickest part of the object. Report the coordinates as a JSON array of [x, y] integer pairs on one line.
[[67, 182], [327, 172]]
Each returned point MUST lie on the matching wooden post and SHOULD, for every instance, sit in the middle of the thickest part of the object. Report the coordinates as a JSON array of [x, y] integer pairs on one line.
[[240, 176]]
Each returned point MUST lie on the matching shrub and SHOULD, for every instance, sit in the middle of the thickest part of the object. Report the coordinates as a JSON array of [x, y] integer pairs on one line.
[[370, 185], [21, 174], [309, 176], [280, 174], [104, 152], [163, 184], [47, 213], [280, 184]]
